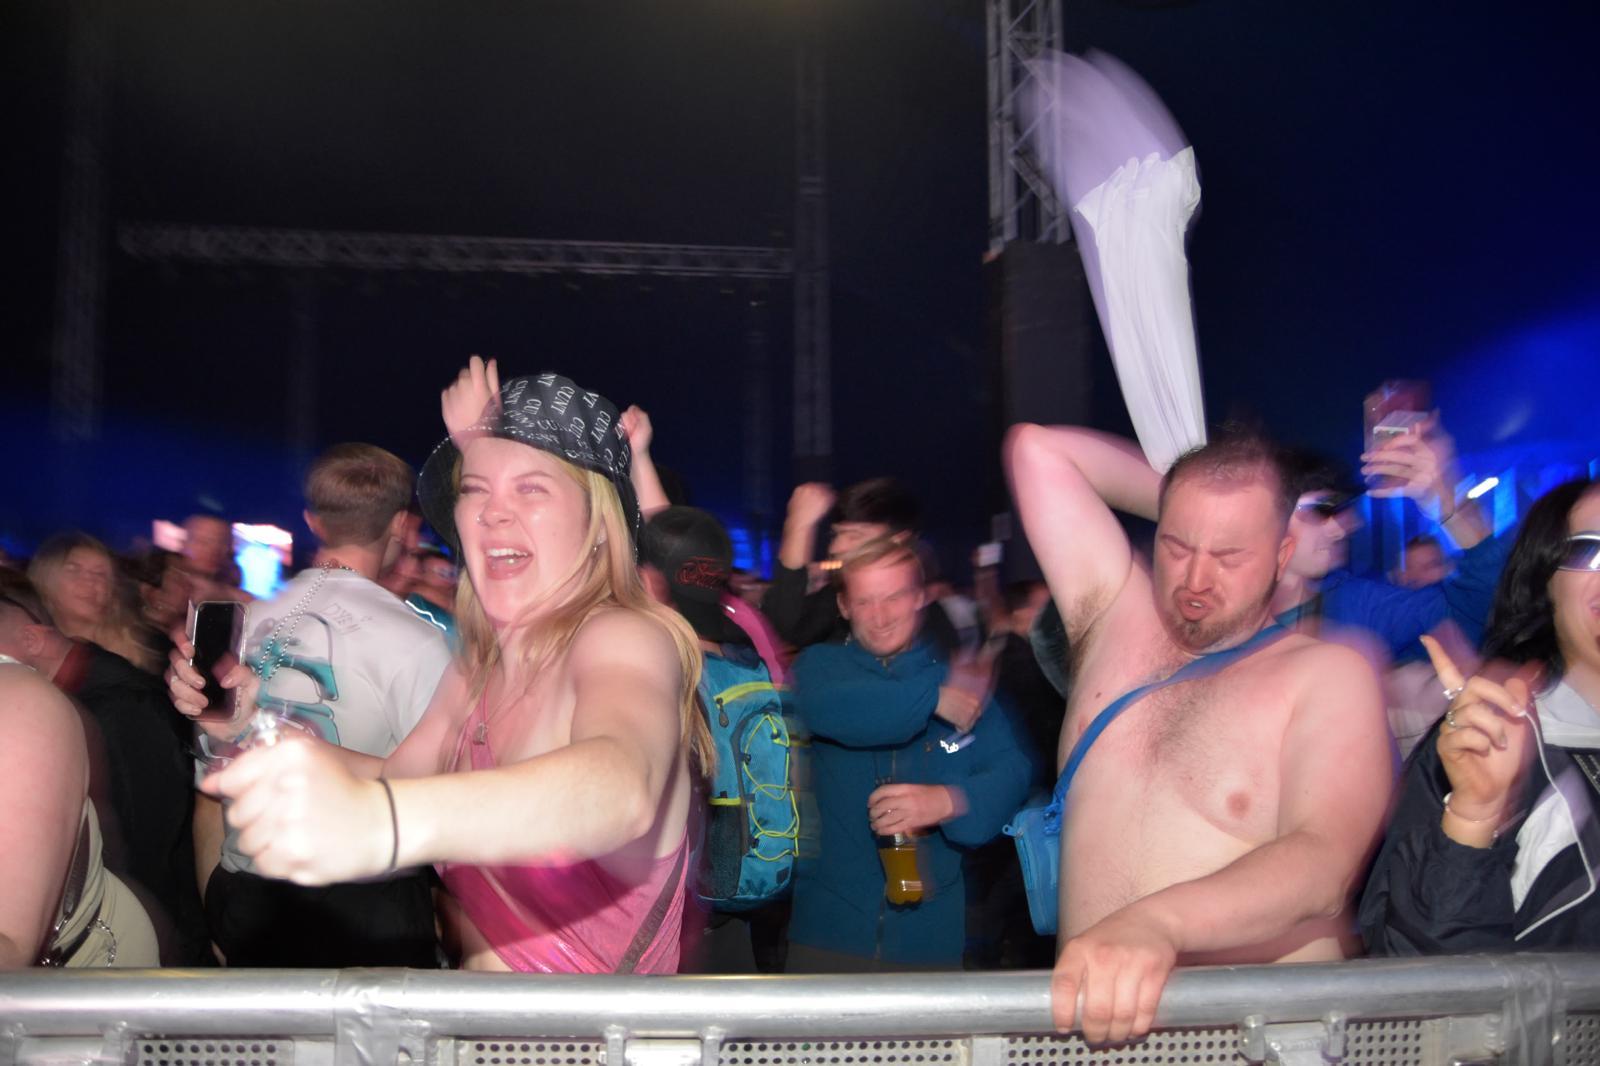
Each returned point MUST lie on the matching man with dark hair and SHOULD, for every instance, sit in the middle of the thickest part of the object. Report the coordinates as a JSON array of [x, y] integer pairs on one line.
[[208, 563], [686, 560], [1317, 587], [343, 659], [1223, 817], [801, 602], [139, 776]]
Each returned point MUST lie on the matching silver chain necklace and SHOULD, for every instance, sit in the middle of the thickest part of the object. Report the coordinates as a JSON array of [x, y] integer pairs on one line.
[[264, 724]]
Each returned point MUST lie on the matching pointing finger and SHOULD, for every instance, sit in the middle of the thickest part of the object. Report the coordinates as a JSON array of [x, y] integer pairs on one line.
[[1449, 674]]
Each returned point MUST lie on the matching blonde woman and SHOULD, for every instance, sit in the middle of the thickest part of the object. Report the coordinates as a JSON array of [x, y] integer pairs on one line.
[[78, 580], [550, 778]]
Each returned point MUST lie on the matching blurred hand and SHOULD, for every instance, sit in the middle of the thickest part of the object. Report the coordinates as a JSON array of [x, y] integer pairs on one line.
[[1116, 970], [636, 425], [475, 391], [958, 707], [902, 808], [972, 674], [302, 816], [1488, 748], [186, 688], [810, 503], [1420, 464]]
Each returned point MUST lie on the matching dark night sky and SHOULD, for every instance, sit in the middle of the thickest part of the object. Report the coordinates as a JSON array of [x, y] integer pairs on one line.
[[1391, 189]]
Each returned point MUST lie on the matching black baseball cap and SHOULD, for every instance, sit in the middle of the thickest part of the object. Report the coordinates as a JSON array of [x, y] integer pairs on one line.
[[548, 412]]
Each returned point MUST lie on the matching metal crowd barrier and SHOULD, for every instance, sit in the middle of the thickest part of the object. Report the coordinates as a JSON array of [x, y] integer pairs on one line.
[[1517, 1010]]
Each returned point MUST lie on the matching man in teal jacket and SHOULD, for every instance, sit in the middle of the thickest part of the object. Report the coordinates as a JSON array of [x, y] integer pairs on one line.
[[901, 743]]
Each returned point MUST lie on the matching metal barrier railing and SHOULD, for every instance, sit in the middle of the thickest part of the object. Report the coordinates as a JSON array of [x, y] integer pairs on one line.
[[1522, 1010]]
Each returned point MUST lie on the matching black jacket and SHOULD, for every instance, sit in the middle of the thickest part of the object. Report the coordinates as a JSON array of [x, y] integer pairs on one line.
[[1428, 895], [150, 791]]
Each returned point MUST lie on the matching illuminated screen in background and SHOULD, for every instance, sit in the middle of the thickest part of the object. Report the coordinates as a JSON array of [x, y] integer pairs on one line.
[[262, 552]]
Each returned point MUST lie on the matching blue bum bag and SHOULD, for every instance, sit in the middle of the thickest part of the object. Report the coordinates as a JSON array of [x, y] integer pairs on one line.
[[1037, 830]]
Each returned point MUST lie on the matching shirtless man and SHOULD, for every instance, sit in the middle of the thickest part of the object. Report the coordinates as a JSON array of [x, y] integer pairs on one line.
[[1218, 820]]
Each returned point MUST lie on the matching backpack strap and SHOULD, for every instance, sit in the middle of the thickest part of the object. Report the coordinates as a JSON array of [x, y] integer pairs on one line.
[[761, 634]]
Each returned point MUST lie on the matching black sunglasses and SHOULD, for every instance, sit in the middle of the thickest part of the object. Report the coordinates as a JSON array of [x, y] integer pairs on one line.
[[1326, 507], [1581, 551]]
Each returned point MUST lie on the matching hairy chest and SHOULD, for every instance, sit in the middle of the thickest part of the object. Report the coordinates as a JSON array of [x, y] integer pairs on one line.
[[1206, 750]]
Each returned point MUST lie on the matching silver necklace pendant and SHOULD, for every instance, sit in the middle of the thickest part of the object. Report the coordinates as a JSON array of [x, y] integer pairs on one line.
[[481, 734]]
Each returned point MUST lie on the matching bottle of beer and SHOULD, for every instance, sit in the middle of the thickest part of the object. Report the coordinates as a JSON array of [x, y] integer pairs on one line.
[[901, 875]]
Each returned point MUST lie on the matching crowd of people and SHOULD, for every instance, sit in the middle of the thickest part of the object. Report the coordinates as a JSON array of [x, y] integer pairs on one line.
[[522, 713]]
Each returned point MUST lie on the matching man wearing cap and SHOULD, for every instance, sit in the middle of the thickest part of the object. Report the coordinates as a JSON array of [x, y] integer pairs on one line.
[[686, 559], [347, 662]]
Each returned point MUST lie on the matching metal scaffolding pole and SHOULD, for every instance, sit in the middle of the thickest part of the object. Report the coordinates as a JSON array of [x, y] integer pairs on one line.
[[757, 416], [1022, 206], [305, 251], [813, 389], [80, 264], [446, 254]]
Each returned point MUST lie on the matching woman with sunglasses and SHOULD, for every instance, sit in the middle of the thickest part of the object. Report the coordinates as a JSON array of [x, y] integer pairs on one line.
[[1495, 842]]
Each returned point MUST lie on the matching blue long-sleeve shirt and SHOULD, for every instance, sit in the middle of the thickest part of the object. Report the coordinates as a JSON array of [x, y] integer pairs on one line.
[[871, 722], [1398, 616]]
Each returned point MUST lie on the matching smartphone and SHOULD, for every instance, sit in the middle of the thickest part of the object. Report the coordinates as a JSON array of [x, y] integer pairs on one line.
[[989, 554], [1393, 409], [216, 629]]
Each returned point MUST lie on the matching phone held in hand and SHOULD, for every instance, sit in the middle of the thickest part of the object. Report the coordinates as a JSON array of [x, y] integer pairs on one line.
[[216, 629], [1393, 409]]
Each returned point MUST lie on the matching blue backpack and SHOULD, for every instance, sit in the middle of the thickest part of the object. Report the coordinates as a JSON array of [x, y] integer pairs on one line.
[[753, 828]]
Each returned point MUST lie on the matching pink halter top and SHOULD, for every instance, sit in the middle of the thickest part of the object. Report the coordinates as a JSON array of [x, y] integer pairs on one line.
[[573, 918]]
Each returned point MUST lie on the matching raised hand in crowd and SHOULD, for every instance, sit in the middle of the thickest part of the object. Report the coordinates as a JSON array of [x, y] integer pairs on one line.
[[809, 504], [1421, 465], [466, 400], [1486, 744], [646, 481]]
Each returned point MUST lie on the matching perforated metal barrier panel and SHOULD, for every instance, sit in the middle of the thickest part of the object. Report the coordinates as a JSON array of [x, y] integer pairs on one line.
[[1583, 1038], [527, 1053], [1410, 1042], [1532, 1010], [213, 1052]]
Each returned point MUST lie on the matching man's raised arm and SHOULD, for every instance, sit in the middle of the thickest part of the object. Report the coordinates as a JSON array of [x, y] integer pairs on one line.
[[1065, 481]]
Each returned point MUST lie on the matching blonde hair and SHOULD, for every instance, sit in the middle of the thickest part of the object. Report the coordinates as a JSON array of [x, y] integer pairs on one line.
[[880, 551], [117, 630], [608, 577]]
